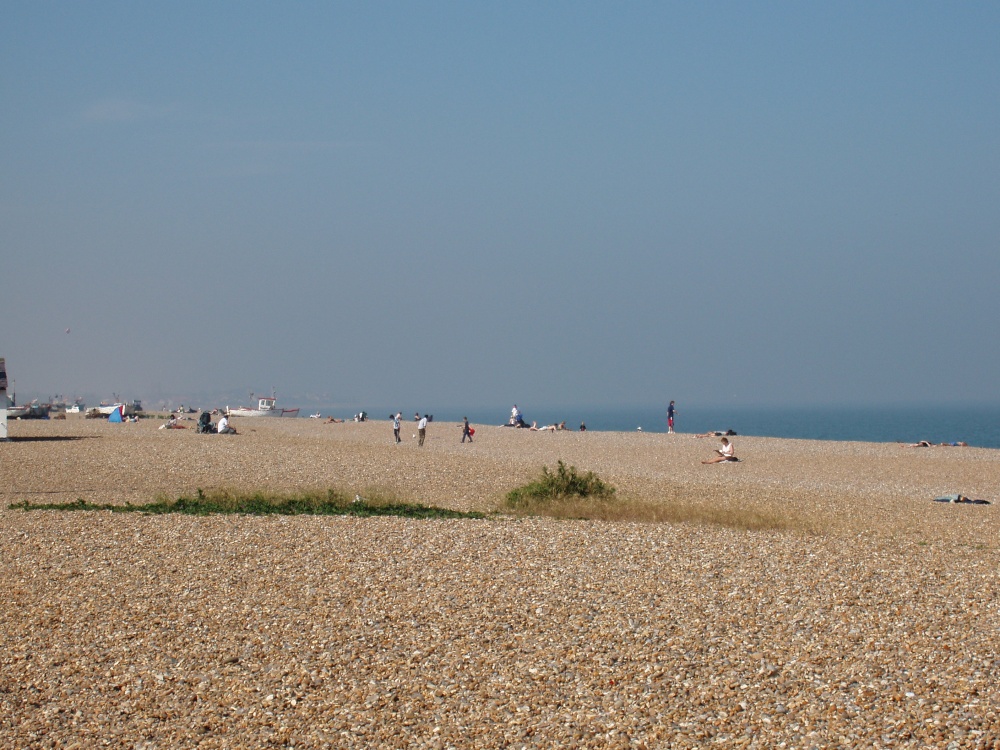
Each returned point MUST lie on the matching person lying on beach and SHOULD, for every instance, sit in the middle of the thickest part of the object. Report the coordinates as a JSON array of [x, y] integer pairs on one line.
[[715, 433], [726, 453], [960, 499], [172, 424], [332, 420], [920, 444], [956, 444]]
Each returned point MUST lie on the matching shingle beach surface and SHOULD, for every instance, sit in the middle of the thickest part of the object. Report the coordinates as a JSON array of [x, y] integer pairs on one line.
[[869, 619]]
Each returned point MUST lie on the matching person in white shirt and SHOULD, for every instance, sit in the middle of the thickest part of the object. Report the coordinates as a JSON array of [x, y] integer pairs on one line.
[[422, 429], [395, 426], [224, 428], [726, 453]]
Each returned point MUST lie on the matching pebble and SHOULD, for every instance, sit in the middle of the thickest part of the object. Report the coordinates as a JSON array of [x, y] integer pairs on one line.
[[868, 617]]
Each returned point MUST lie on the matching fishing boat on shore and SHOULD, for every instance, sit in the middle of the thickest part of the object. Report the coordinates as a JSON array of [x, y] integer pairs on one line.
[[266, 407], [34, 410], [127, 410], [18, 412]]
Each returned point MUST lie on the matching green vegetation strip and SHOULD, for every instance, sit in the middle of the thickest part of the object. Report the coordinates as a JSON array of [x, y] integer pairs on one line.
[[561, 494], [330, 503]]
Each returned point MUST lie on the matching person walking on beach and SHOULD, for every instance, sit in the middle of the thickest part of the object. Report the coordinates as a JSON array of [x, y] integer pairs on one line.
[[466, 430], [422, 429], [670, 418], [395, 426]]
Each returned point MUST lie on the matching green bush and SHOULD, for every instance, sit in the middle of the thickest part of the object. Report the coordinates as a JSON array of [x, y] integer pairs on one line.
[[564, 484]]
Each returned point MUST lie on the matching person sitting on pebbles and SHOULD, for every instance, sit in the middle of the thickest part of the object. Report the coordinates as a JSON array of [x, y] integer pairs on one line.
[[726, 453], [173, 424], [224, 427]]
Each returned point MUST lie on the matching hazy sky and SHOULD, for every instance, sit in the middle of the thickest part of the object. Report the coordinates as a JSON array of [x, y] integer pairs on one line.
[[467, 203]]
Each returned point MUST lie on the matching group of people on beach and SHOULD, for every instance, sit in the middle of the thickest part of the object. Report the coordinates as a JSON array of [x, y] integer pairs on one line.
[[727, 453], [205, 424], [517, 420], [397, 421]]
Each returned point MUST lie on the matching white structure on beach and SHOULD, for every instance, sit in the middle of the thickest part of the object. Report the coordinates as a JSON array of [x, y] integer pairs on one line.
[[3, 399]]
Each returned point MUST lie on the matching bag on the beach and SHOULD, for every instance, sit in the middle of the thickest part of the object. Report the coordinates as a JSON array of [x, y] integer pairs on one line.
[[205, 424]]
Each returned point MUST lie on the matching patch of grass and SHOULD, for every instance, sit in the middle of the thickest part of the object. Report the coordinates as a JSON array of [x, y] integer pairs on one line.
[[328, 503], [746, 519], [567, 494], [634, 510], [563, 494]]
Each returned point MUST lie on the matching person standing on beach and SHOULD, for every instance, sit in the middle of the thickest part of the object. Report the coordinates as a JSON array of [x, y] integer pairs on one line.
[[466, 431], [670, 418], [395, 426], [422, 429]]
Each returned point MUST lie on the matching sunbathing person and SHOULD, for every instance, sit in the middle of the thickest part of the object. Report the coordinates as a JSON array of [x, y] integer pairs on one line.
[[920, 444], [726, 453], [715, 433], [960, 499]]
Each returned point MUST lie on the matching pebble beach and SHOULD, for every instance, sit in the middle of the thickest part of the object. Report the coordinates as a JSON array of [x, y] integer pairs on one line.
[[859, 613]]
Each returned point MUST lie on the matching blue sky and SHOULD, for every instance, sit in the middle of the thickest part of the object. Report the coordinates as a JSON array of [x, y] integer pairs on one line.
[[462, 204]]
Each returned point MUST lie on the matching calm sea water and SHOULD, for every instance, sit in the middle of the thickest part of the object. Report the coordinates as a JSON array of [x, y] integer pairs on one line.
[[978, 426]]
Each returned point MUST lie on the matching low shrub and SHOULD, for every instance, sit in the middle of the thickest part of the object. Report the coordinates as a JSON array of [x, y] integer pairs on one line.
[[564, 484]]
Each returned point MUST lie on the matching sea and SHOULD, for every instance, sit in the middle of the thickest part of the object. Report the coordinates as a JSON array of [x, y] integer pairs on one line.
[[976, 425]]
